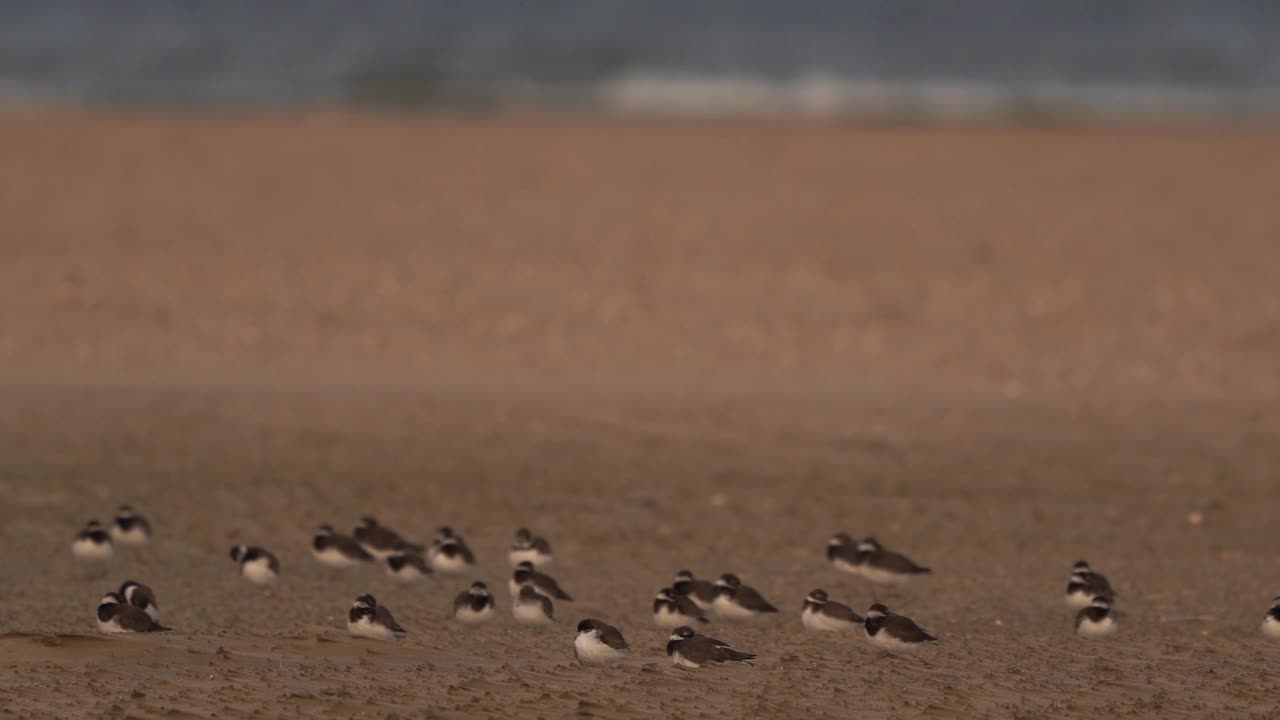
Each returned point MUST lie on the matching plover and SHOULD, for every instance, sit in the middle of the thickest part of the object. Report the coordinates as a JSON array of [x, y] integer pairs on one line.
[[690, 649], [1085, 584], [449, 554], [529, 548], [117, 616], [670, 610], [524, 574], [894, 633], [735, 601], [1096, 619], [406, 567], [1271, 621], [92, 543], [701, 592], [474, 605], [597, 644], [531, 607], [820, 613], [337, 550], [257, 565], [141, 597], [380, 541], [842, 553], [130, 528], [368, 619], [885, 567]]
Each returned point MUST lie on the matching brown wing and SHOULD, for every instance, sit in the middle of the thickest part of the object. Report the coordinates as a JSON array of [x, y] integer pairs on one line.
[[751, 599], [689, 607], [842, 612], [142, 596], [135, 619], [610, 636], [549, 586], [905, 629], [463, 600], [548, 607], [349, 546], [895, 562], [702, 649], [383, 617]]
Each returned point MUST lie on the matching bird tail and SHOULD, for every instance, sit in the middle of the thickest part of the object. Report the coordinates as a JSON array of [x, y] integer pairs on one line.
[[157, 627], [742, 657], [768, 609], [703, 619], [562, 595], [922, 570]]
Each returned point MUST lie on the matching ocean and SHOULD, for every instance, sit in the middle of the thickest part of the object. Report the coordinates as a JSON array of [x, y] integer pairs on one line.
[[904, 59]]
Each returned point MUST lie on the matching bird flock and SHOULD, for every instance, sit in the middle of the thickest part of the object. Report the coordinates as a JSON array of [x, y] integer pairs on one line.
[[686, 603]]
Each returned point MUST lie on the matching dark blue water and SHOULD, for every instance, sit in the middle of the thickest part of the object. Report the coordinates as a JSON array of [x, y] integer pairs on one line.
[[961, 58]]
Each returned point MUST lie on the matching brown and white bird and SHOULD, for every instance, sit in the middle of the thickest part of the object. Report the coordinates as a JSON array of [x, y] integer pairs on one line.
[[885, 567], [842, 553], [819, 613], [701, 592], [449, 553], [1085, 584], [141, 597], [380, 540], [735, 601], [670, 610], [474, 605], [1096, 619], [897, 634], [525, 574], [258, 565], [529, 548], [405, 567], [1271, 621], [117, 616], [336, 550], [130, 528], [598, 645], [689, 649], [531, 607], [92, 543], [368, 619]]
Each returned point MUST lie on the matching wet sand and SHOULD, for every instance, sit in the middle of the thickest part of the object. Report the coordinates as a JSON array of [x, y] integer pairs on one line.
[[663, 346]]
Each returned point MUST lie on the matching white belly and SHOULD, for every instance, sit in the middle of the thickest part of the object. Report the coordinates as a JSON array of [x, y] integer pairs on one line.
[[1271, 628], [515, 557], [442, 563], [846, 566], [1102, 628], [366, 629], [258, 572], [333, 558], [1078, 600], [407, 574], [818, 622], [467, 616], [376, 553], [110, 627], [590, 651], [88, 550], [730, 610], [888, 643], [671, 619], [882, 577], [682, 661], [530, 614], [134, 536]]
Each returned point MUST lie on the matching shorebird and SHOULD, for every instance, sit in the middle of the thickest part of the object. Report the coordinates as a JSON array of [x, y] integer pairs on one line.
[[92, 543], [1096, 619], [885, 567], [337, 550], [529, 548], [701, 592], [141, 597], [893, 633], [117, 616], [1271, 621], [449, 554], [532, 607], [735, 601], [525, 575], [1085, 584], [670, 610], [257, 565], [689, 649], [368, 619], [380, 541], [821, 614], [130, 528], [474, 605], [598, 645]]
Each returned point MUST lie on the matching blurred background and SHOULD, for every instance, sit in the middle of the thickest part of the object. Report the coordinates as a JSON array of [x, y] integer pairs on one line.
[[676, 284], [915, 60]]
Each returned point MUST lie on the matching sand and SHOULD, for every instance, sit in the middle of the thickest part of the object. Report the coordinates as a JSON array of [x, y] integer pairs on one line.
[[662, 345]]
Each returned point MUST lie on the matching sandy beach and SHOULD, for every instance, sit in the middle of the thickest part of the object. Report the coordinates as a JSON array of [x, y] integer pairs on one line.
[[663, 345]]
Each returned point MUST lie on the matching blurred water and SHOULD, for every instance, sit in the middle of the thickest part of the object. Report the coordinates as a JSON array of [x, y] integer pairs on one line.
[[904, 58]]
